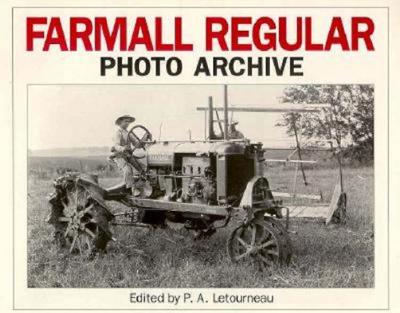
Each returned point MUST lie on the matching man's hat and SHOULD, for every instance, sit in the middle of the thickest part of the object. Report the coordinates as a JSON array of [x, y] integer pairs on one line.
[[124, 117], [234, 123]]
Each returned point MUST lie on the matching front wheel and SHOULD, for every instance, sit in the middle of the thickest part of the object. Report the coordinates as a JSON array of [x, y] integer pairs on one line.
[[262, 240]]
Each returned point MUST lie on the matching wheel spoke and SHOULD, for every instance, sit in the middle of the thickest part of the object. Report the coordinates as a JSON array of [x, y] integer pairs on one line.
[[80, 244], [64, 219], [64, 205], [76, 197], [67, 230], [88, 208], [253, 235], [272, 252], [266, 244], [89, 232], [88, 243], [73, 243], [239, 257], [264, 259], [242, 242]]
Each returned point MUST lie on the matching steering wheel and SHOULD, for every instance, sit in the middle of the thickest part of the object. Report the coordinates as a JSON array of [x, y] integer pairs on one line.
[[137, 142]]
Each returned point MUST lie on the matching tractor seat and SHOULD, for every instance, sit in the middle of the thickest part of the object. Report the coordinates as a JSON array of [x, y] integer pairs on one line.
[[117, 191]]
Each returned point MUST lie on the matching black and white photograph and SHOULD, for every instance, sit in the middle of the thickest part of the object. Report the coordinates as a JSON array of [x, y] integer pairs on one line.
[[200, 186]]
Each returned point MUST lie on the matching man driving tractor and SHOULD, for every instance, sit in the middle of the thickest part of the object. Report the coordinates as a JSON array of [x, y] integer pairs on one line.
[[122, 151]]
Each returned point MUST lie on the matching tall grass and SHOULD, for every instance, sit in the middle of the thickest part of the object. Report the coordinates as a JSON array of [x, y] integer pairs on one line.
[[324, 256]]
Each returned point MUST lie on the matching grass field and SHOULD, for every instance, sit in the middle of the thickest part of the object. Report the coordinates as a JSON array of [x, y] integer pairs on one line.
[[324, 256]]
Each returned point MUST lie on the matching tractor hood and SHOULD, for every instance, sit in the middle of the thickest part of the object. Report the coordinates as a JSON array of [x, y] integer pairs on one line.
[[163, 153]]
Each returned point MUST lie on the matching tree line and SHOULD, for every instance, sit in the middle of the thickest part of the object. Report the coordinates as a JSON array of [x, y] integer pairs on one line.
[[345, 124]]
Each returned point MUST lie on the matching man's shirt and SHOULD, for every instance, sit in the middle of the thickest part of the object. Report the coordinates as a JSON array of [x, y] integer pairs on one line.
[[121, 139]]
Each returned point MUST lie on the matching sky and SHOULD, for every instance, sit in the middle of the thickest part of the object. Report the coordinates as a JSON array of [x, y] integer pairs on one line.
[[66, 116]]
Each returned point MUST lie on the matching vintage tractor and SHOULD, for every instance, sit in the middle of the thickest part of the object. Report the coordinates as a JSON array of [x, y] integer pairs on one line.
[[199, 184]]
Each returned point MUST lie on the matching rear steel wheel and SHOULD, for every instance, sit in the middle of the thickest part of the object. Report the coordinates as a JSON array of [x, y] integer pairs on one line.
[[87, 229]]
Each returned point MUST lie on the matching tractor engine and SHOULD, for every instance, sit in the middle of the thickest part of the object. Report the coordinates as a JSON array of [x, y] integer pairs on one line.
[[200, 186], [213, 173]]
